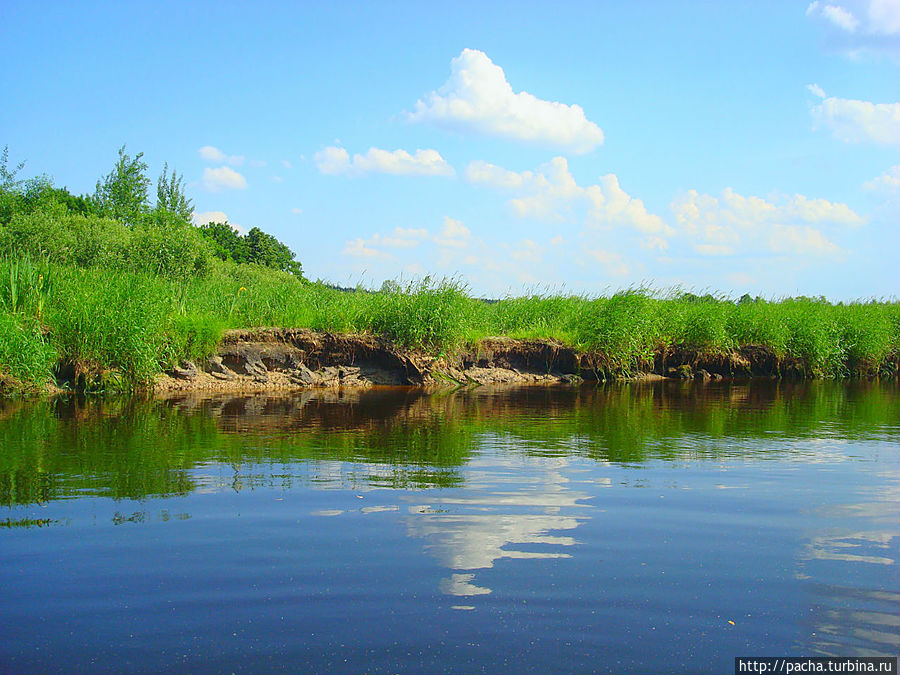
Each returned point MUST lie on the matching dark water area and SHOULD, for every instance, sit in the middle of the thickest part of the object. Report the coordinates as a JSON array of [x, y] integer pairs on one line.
[[659, 527]]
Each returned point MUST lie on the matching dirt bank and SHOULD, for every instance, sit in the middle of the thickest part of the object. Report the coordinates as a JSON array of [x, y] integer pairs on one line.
[[249, 360], [269, 359]]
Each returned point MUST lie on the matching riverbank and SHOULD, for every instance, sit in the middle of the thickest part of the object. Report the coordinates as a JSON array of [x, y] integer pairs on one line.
[[99, 330], [272, 359]]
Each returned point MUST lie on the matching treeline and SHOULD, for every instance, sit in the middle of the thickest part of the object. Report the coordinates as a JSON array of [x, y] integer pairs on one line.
[[120, 227]]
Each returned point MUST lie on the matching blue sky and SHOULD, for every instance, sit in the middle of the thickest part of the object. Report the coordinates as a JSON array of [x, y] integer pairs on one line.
[[730, 146]]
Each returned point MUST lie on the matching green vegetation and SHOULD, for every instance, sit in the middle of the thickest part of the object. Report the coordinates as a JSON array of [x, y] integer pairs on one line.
[[114, 285]]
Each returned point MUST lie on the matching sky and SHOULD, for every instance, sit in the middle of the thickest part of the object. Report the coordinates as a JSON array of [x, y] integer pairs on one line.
[[583, 147]]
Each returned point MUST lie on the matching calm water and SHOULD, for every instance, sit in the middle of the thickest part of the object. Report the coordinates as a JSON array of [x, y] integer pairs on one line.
[[663, 527]]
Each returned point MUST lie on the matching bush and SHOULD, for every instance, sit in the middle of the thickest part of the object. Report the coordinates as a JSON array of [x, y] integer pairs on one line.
[[169, 248]]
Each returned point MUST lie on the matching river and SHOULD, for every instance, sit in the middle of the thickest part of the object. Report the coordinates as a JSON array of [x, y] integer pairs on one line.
[[644, 527]]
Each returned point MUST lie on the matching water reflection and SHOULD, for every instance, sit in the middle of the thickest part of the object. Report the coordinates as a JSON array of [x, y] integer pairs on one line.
[[513, 509], [134, 449]]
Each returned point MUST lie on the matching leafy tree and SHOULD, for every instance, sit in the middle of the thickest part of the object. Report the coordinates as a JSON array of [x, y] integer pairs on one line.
[[8, 182], [122, 194], [10, 187], [170, 195], [256, 247], [266, 250], [227, 244]]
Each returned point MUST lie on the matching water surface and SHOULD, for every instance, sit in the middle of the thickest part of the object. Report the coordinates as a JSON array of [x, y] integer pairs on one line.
[[663, 527]]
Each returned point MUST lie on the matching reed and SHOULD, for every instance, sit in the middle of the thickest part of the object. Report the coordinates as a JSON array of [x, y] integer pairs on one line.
[[137, 322]]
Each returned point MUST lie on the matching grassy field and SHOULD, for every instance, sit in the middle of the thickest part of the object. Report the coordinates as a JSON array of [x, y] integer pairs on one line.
[[137, 322]]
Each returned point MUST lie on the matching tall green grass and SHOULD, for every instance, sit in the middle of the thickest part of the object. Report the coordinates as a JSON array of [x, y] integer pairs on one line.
[[136, 321]]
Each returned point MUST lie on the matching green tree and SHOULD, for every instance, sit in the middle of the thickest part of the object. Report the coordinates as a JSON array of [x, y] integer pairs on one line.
[[123, 193], [266, 250], [227, 244], [170, 195], [10, 187]]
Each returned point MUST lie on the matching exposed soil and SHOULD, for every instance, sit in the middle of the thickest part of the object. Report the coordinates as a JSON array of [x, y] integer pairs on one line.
[[271, 359], [258, 360]]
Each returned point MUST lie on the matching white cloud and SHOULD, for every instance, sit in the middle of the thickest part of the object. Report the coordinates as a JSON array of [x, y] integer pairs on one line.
[[277, 179], [399, 238], [358, 248], [296, 210], [223, 178], [257, 163], [734, 223], [551, 193], [209, 217], [478, 98], [885, 16], [816, 90], [332, 160], [453, 234], [855, 121], [860, 26], [286, 164], [840, 17], [335, 160], [402, 237], [889, 181], [654, 243], [216, 217], [423, 163], [213, 154], [803, 240]]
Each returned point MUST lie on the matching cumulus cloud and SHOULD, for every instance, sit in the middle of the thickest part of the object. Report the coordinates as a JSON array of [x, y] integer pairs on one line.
[[478, 98], [450, 246], [216, 217], [840, 17], [885, 16], [210, 153], [551, 193], [209, 217], [889, 181], [223, 178], [453, 234], [334, 160], [732, 222], [855, 121], [358, 248], [803, 240], [858, 26], [398, 238], [881, 17]]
